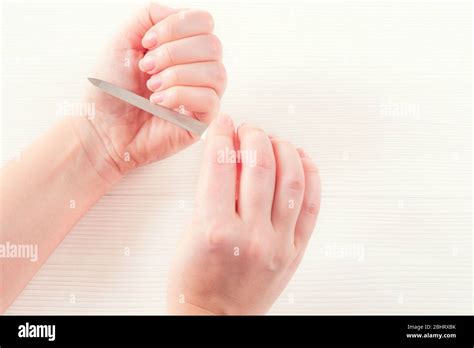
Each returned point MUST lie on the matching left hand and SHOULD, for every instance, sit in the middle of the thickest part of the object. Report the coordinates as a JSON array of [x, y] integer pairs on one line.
[[171, 53]]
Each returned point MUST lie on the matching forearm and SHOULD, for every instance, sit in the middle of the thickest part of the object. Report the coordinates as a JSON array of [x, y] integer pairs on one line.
[[43, 195]]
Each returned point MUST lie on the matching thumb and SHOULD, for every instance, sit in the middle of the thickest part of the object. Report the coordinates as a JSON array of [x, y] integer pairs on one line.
[[132, 32]]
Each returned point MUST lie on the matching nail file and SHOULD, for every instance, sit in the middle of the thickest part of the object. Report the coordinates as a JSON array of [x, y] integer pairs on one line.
[[183, 121]]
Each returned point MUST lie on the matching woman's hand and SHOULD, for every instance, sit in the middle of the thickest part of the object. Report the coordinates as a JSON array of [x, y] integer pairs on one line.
[[239, 254], [169, 56]]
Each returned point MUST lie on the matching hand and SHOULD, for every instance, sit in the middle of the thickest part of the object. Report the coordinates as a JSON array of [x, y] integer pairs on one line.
[[166, 51], [239, 255]]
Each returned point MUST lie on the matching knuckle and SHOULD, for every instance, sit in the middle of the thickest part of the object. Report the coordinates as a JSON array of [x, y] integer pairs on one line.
[[220, 74], [173, 96], [217, 158], [216, 237], [172, 76], [311, 206], [214, 101], [167, 54], [207, 19], [215, 46], [294, 182], [279, 261], [265, 162], [165, 31], [256, 251], [211, 100]]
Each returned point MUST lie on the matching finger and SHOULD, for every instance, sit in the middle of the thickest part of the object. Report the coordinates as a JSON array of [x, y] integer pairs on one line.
[[201, 100], [289, 189], [157, 13], [201, 48], [216, 188], [257, 178], [133, 31], [178, 26], [205, 74], [311, 202]]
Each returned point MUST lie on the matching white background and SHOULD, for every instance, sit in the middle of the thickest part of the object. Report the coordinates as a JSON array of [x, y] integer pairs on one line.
[[378, 92]]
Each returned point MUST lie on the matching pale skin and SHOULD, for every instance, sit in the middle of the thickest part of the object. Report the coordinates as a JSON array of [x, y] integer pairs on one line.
[[171, 57], [239, 254]]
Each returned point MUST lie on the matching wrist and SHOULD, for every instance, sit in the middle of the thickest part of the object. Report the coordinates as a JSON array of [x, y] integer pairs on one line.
[[95, 149]]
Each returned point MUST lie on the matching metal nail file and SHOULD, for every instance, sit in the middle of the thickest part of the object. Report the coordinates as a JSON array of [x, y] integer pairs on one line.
[[183, 121]]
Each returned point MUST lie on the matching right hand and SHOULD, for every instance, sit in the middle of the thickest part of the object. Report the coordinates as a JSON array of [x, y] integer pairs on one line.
[[239, 255]]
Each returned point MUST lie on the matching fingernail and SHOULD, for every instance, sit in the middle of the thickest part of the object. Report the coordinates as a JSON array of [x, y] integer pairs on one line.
[[157, 97], [149, 40], [154, 83], [147, 63], [224, 120]]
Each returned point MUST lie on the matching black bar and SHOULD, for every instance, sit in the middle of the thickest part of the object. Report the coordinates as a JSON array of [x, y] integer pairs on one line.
[[288, 330]]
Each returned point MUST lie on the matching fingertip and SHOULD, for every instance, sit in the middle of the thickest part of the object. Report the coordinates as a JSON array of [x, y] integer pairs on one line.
[[312, 174], [150, 39], [301, 152], [309, 165], [154, 83], [311, 204], [206, 18], [245, 127], [158, 12], [224, 120], [157, 97], [147, 63], [221, 125], [254, 133]]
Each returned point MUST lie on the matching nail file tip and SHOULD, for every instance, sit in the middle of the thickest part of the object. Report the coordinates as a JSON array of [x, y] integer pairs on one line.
[[94, 81], [204, 134]]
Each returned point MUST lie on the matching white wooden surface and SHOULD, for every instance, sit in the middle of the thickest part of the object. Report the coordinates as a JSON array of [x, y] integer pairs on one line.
[[378, 92]]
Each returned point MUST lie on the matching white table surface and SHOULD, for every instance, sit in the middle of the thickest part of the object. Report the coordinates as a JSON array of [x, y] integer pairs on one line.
[[378, 92]]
